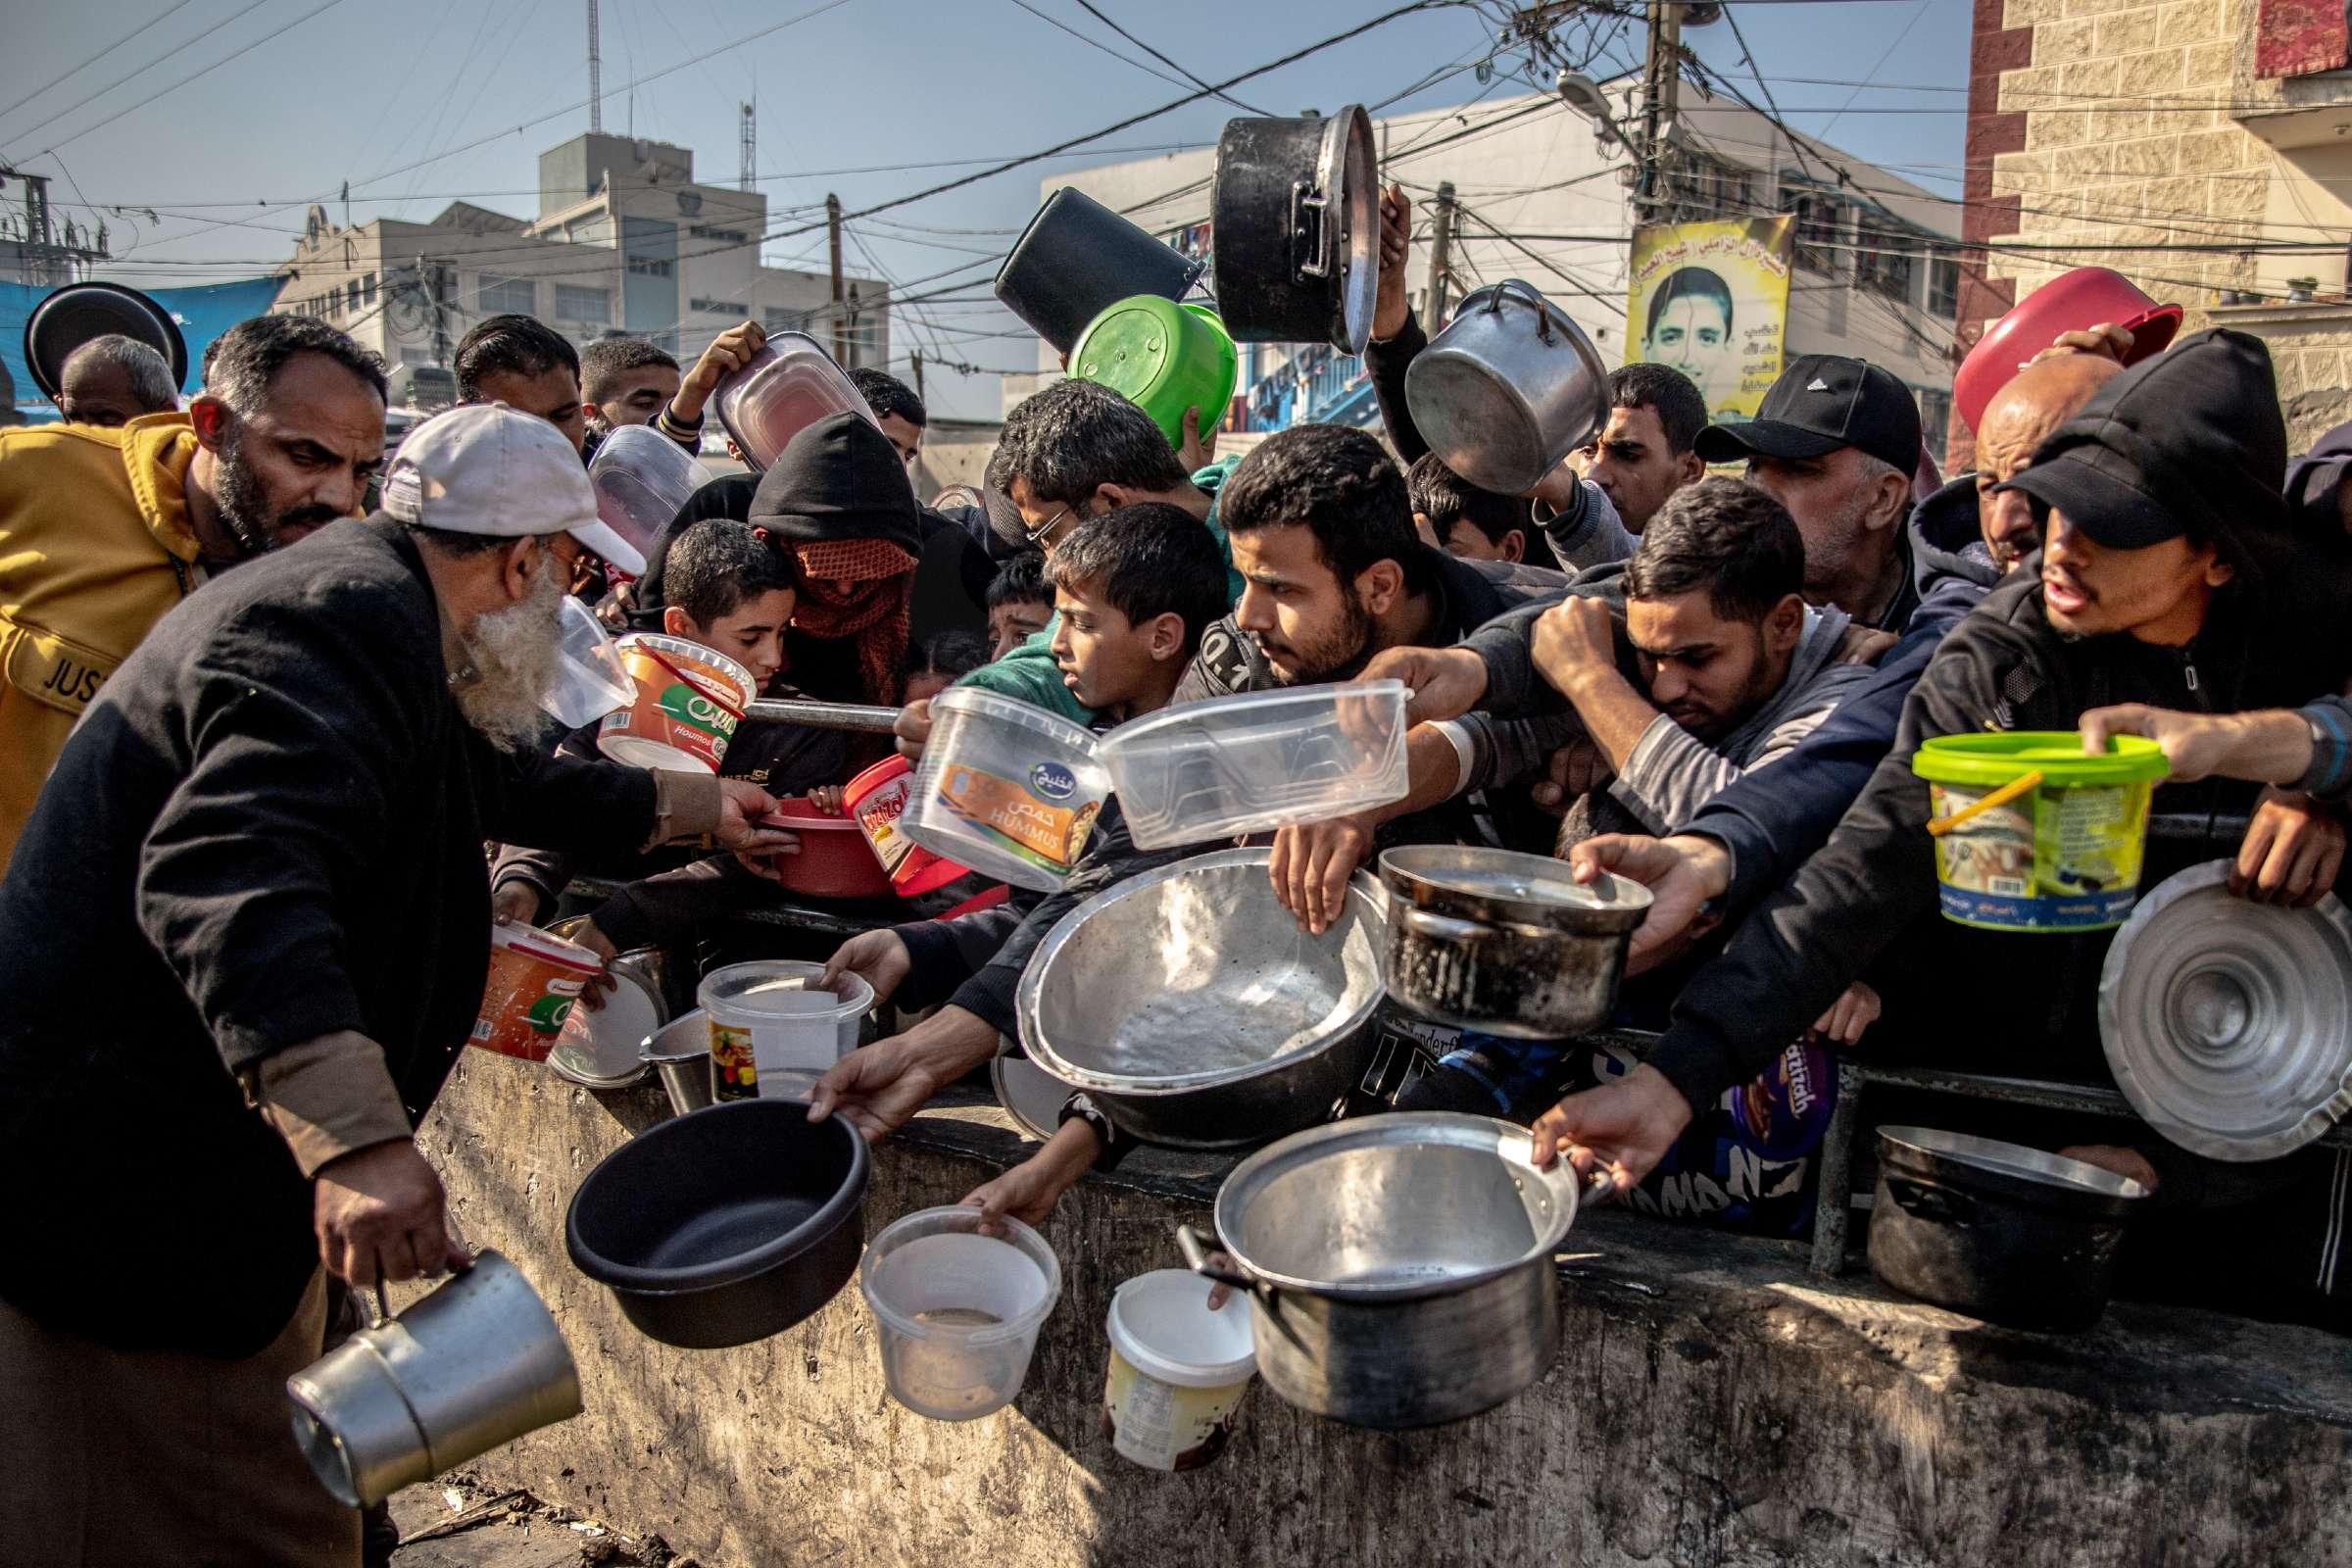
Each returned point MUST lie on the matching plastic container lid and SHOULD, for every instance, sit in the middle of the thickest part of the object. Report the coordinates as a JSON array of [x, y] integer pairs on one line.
[[790, 384], [641, 478], [1160, 1322], [1258, 761], [780, 990], [1163, 358], [600, 1048], [529, 939], [589, 681], [2057, 755]]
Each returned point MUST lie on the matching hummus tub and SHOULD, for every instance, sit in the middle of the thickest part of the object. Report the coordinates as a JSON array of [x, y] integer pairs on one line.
[[1006, 789], [689, 700], [534, 980], [2061, 853]]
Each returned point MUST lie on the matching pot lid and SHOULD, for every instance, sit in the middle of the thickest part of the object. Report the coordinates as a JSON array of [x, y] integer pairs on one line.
[[2228, 1024], [1032, 1097], [2017, 1161], [1351, 186], [600, 1049]]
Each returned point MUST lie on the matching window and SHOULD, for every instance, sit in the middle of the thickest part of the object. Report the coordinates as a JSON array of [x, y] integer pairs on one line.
[[350, 296], [1944, 288], [503, 296], [650, 266], [734, 236], [1884, 261], [592, 307], [1935, 419], [368, 288], [414, 356], [720, 307], [1817, 226], [776, 321]]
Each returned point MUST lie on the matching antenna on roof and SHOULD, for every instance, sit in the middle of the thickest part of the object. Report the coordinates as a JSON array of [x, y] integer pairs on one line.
[[745, 177], [596, 78]]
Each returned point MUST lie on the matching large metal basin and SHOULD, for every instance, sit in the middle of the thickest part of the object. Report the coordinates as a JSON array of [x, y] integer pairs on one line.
[[1194, 1011]]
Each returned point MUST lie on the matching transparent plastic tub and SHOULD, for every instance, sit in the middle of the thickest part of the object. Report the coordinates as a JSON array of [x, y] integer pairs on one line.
[[641, 478], [773, 1033], [957, 1311], [1006, 789], [789, 385], [1259, 761], [589, 681]]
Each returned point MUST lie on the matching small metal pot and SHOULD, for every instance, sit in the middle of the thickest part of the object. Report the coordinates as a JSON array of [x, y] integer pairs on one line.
[[1294, 229], [476, 1363], [1505, 943], [1999, 1231], [680, 1052], [1400, 1268], [1508, 388]]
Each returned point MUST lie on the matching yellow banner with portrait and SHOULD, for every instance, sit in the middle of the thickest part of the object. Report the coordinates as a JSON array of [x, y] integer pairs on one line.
[[1711, 300]]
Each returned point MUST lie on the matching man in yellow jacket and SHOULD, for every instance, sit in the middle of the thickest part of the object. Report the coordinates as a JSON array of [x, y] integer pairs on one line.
[[104, 530]]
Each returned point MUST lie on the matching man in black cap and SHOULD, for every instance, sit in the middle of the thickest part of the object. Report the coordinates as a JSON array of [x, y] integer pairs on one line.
[[1835, 441], [2170, 577]]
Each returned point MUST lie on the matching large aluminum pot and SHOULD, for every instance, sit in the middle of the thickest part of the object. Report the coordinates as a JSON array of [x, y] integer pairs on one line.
[[1509, 389], [1505, 943], [1194, 1011], [1400, 1268], [1294, 229], [477, 1363]]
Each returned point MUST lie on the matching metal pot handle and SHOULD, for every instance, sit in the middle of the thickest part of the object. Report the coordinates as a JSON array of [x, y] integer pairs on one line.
[[1454, 928], [1542, 310], [1307, 199], [1196, 1259], [1939, 1204]]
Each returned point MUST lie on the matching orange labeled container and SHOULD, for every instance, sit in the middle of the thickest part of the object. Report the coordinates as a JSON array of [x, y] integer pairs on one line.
[[875, 799], [689, 701], [534, 979]]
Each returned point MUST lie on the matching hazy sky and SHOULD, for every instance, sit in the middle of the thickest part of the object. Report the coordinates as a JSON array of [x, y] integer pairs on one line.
[[309, 94]]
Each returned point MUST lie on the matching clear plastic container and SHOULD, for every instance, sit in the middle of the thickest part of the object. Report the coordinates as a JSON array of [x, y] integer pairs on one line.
[[958, 1311], [772, 1032], [589, 681], [789, 385], [1006, 789], [641, 478], [1259, 761]]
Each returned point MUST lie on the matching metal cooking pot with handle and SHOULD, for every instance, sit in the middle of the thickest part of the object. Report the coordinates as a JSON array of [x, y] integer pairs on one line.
[[1294, 229], [1508, 388], [1400, 1268]]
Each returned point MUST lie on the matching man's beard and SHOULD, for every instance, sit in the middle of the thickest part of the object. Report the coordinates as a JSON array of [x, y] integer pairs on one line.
[[504, 664], [1335, 657], [245, 510]]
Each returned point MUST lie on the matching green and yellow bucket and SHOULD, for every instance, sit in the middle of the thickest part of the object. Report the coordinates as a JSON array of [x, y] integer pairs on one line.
[[2031, 833], [1163, 358]]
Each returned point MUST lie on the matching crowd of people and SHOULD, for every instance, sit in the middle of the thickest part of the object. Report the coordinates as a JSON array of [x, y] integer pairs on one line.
[[272, 755]]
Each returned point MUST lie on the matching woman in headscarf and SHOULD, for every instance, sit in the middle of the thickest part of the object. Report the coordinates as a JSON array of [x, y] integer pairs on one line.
[[838, 500]]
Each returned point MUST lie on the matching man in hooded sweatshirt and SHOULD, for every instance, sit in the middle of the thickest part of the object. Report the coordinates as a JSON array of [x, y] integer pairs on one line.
[[2169, 575]]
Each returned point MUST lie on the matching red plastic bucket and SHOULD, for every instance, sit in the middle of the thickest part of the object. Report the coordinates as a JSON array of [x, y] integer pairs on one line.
[[833, 862], [2072, 301]]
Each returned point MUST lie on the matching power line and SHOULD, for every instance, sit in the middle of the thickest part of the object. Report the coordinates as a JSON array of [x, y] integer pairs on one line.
[[1096, 11], [63, 77]]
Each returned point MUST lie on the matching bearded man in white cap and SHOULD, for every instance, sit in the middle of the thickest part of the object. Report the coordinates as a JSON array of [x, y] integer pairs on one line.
[[243, 937]]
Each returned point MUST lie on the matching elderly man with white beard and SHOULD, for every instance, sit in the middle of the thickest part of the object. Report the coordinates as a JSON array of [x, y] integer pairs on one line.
[[242, 940]]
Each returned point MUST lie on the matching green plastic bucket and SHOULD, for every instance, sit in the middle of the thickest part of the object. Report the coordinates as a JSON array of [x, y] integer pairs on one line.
[[2065, 855], [1163, 356]]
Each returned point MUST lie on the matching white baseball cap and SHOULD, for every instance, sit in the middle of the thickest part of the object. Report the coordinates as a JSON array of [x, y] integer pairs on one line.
[[489, 469]]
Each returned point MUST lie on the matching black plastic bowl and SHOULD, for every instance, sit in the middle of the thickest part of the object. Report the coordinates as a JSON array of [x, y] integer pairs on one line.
[[725, 1226]]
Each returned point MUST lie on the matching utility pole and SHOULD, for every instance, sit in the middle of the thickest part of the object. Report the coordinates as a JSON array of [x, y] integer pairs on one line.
[[596, 78], [748, 148], [1441, 255], [841, 324], [919, 376], [1662, 77]]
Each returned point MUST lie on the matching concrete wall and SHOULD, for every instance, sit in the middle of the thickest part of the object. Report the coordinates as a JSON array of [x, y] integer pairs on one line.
[[1711, 1405]]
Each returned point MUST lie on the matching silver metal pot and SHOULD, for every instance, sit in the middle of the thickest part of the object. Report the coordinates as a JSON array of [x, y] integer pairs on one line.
[[1194, 1011], [1505, 943], [680, 1053], [1400, 1268], [476, 1363], [1508, 388]]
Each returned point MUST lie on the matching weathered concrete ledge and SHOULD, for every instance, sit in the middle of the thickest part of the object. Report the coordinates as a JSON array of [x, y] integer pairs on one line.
[[1711, 1404]]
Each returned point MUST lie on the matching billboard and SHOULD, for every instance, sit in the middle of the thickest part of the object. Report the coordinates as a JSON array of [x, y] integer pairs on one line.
[[1711, 300]]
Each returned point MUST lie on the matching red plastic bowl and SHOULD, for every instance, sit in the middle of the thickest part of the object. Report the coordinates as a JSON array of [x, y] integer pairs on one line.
[[834, 861], [2072, 301]]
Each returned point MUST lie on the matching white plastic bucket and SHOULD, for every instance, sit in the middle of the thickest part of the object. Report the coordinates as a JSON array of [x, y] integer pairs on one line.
[[686, 703], [1178, 1371], [957, 1311], [772, 1032]]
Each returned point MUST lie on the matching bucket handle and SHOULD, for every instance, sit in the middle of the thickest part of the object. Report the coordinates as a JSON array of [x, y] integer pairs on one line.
[[1196, 1259], [1512, 285], [691, 684], [1307, 199]]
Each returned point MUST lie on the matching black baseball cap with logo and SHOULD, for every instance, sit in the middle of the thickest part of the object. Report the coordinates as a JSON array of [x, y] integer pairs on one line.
[[1823, 402]]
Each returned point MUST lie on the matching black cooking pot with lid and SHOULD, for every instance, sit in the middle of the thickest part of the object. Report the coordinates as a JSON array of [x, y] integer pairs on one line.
[[1999, 1231], [725, 1226], [1294, 229], [1077, 258]]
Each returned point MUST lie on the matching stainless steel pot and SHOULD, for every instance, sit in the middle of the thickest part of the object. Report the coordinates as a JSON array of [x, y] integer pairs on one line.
[[680, 1053], [1508, 388], [1294, 229], [1400, 1268], [1194, 1011], [1999, 1231], [1505, 943], [476, 1363]]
